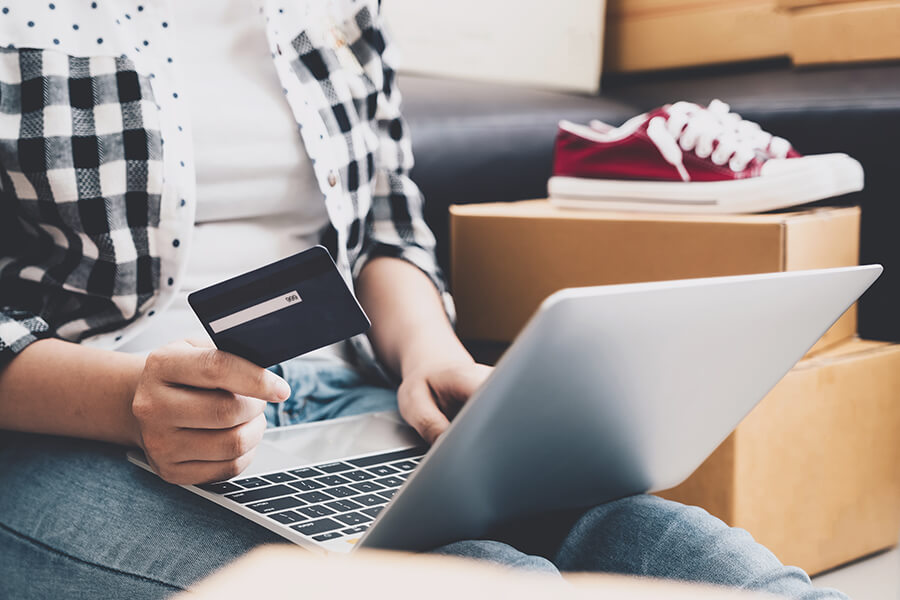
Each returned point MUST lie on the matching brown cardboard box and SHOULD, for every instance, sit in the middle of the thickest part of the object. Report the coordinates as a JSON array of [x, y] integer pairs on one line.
[[814, 471], [658, 34], [507, 257], [848, 32]]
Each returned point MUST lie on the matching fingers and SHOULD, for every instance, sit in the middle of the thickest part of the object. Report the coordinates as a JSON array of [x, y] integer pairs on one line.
[[197, 446], [196, 472], [418, 408], [206, 409], [218, 444], [184, 364]]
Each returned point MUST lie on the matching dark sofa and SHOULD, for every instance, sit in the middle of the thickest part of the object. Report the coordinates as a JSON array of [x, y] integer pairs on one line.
[[477, 142]]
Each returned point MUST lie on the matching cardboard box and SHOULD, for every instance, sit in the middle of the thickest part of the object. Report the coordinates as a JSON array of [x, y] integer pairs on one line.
[[507, 257], [556, 45], [814, 471], [658, 34], [849, 32]]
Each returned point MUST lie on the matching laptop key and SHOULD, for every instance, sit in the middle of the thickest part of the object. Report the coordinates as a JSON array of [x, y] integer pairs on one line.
[[314, 497], [355, 530], [332, 480], [353, 518], [306, 485], [305, 472], [390, 481], [273, 491], [343, 505], [334, 467], [382, 470], [404, 465], [278, 477], [367, 486], [357, 475], [287, 517], [388, 493], [342, 492], [327, 536], [268, 506], [312, 528], [370, 500], [315, 511], [372, 512], [223, 487], [251, 482]]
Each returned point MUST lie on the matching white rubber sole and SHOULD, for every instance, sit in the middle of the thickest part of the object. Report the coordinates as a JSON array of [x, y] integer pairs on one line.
[[784, 183]]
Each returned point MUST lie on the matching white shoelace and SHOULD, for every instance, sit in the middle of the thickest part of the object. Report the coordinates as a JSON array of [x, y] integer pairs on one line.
[[762, 140], [714, 133]]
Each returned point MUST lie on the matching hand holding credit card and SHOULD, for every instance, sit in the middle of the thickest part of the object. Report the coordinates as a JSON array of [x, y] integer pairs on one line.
[[282, 310]]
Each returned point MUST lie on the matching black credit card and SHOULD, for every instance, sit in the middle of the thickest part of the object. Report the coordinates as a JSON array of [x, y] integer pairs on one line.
[[281, 310]]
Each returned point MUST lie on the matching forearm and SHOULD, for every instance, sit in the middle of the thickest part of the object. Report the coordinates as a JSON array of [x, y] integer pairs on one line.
[[409, 326], [60, 388]]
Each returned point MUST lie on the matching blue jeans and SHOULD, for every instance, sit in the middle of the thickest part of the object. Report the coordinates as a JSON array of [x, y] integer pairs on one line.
[[78, 521]]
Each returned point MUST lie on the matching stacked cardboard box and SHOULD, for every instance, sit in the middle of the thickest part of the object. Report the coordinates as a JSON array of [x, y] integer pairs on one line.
[[814, 471], [840, 31], [658, 34]]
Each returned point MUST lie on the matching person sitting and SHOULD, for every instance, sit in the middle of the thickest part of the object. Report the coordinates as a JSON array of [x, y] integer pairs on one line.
[[138, 165]]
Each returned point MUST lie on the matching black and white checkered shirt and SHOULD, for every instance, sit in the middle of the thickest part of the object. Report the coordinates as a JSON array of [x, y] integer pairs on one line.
[[96, 179]]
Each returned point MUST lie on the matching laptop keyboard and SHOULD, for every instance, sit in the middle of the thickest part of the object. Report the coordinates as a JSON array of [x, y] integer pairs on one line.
[[327, 501]]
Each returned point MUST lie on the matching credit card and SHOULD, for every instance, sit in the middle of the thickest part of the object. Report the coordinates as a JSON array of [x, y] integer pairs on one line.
[[282, 310]]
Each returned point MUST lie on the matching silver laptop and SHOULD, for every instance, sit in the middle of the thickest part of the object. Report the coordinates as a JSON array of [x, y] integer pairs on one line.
[[609, 391]]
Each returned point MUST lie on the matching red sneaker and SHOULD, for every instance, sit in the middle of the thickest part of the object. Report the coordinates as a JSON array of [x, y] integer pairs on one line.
[[688, 158]]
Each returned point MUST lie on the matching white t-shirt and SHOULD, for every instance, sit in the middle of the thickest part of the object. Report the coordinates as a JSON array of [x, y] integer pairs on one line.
[[258, 199]]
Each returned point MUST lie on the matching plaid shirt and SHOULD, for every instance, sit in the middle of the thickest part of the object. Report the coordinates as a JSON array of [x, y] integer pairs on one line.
[[97, 199]]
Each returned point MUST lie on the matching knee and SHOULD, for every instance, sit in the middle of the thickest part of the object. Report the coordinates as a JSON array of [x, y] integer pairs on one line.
[[626, 530], [647, 514]]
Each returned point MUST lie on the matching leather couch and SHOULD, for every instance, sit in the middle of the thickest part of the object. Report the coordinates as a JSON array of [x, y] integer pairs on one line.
[[478, 142]]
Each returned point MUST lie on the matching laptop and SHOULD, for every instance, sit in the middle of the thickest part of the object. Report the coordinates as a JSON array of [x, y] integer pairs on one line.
[[609, 391]]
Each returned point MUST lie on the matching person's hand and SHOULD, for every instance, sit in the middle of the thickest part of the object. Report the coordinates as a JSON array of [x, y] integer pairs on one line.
[[200, 411], [430, 395]]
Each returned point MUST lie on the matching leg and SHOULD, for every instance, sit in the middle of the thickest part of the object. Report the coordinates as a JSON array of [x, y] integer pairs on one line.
[[499, 554], [646, 535], [78, 521], [322, 390]]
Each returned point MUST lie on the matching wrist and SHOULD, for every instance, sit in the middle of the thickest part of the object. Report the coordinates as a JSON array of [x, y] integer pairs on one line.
[[431, 349], [131, 377]]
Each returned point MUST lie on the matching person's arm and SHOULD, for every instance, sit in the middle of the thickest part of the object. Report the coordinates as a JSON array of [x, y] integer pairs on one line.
[[398, 279], [413, 337], [60, 388], [196, 412]]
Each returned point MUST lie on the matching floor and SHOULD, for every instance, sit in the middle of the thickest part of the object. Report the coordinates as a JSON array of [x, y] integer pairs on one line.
[[875, 578]]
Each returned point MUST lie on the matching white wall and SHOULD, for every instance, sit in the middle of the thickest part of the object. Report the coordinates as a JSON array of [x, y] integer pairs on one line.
[[554, 44]]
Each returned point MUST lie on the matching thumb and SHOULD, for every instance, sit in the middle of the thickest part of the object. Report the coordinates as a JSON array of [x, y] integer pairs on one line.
[[418, 408]]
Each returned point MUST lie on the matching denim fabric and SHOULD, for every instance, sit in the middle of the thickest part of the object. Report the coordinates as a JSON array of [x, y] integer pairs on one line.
[[78, 521], [322, 390]]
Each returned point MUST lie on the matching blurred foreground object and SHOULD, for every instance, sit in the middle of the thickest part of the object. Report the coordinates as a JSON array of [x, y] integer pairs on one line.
[[395, 576]]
